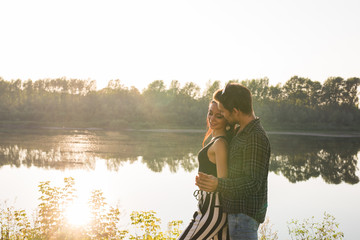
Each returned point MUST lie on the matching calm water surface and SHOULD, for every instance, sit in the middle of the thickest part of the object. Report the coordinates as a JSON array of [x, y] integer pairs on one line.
[[156, 170]]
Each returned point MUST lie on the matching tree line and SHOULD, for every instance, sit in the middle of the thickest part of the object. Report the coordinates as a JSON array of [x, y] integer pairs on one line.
[[299, 103]]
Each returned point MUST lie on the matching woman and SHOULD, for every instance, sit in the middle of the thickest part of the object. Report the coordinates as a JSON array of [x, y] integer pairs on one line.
[[210, 222]]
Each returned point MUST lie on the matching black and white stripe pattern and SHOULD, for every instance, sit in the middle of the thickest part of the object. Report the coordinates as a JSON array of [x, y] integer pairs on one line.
[[209, 222]]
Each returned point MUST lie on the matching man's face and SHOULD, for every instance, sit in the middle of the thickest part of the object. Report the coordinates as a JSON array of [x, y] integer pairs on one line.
[[226, 113]]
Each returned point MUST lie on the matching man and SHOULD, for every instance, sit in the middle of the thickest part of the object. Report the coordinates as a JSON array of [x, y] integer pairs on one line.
[[244, 192]]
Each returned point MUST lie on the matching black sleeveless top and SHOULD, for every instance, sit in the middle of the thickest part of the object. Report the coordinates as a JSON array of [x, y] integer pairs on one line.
[[205, 165]]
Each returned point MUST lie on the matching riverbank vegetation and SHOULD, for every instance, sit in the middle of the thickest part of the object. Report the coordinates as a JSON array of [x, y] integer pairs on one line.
[[54, 216], [298, 104]]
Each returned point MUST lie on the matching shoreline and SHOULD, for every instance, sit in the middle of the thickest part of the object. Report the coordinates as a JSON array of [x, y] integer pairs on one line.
[[342, 134], [314, 133]]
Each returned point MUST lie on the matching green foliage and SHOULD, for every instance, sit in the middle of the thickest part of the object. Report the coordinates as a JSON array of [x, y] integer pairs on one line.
[[104, 222], [148, 223], [300, 103], [265, 231], [308, 229], [50, 221], [54, 201], [174, 229], [14, 224]]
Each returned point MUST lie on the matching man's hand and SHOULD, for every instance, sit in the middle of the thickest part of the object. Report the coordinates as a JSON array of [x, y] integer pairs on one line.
[[206, 182]]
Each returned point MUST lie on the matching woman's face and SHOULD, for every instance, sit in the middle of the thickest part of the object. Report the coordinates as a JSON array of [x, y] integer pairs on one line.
[[215, 118]]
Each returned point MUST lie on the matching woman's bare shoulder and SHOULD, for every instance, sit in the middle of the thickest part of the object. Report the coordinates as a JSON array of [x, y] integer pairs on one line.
[[220, 144]]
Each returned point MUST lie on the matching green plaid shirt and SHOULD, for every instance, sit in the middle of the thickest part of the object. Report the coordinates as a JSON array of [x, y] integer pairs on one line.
[[245, 189]]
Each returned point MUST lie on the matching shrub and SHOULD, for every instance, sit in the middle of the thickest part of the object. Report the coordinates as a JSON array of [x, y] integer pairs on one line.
[[308, 229]]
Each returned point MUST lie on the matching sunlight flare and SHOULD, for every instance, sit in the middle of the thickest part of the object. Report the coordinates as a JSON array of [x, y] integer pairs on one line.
[[78, 214]]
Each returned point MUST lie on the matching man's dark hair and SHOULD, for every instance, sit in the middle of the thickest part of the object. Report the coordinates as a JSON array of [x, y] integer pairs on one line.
[[235, 95]]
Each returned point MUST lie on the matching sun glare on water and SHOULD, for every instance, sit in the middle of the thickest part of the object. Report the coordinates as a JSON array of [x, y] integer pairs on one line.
[[78, 214]]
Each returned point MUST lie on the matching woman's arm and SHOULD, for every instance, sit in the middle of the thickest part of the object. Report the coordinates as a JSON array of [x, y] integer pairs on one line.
[[220, 149]]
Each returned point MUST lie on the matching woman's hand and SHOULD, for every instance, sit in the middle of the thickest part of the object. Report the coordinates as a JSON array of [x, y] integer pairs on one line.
[[206, 182]]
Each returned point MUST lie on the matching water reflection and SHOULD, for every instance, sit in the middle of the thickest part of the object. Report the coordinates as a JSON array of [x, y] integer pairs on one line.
[[74, 150], [298, 158], [53, 158]]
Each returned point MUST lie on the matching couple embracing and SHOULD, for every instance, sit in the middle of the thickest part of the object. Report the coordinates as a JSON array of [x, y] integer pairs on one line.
[[233, 170]]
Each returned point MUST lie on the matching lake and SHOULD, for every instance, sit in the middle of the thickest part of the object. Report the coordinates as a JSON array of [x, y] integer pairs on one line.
[[155, 170]]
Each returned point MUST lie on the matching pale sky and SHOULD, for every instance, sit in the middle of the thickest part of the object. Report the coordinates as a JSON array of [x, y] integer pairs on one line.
[[139, 41]]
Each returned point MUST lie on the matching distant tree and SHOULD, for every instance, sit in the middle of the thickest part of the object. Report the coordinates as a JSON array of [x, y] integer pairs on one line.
[[275, 93], [299, 91], [333, 91], [155, 87], [191, 90], [115, 84], [210, 88], [259, 88], [351, 92], [174, 88]]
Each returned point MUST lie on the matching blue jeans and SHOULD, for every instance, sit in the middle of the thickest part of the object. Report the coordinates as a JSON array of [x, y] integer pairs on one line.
[[241, 226]]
